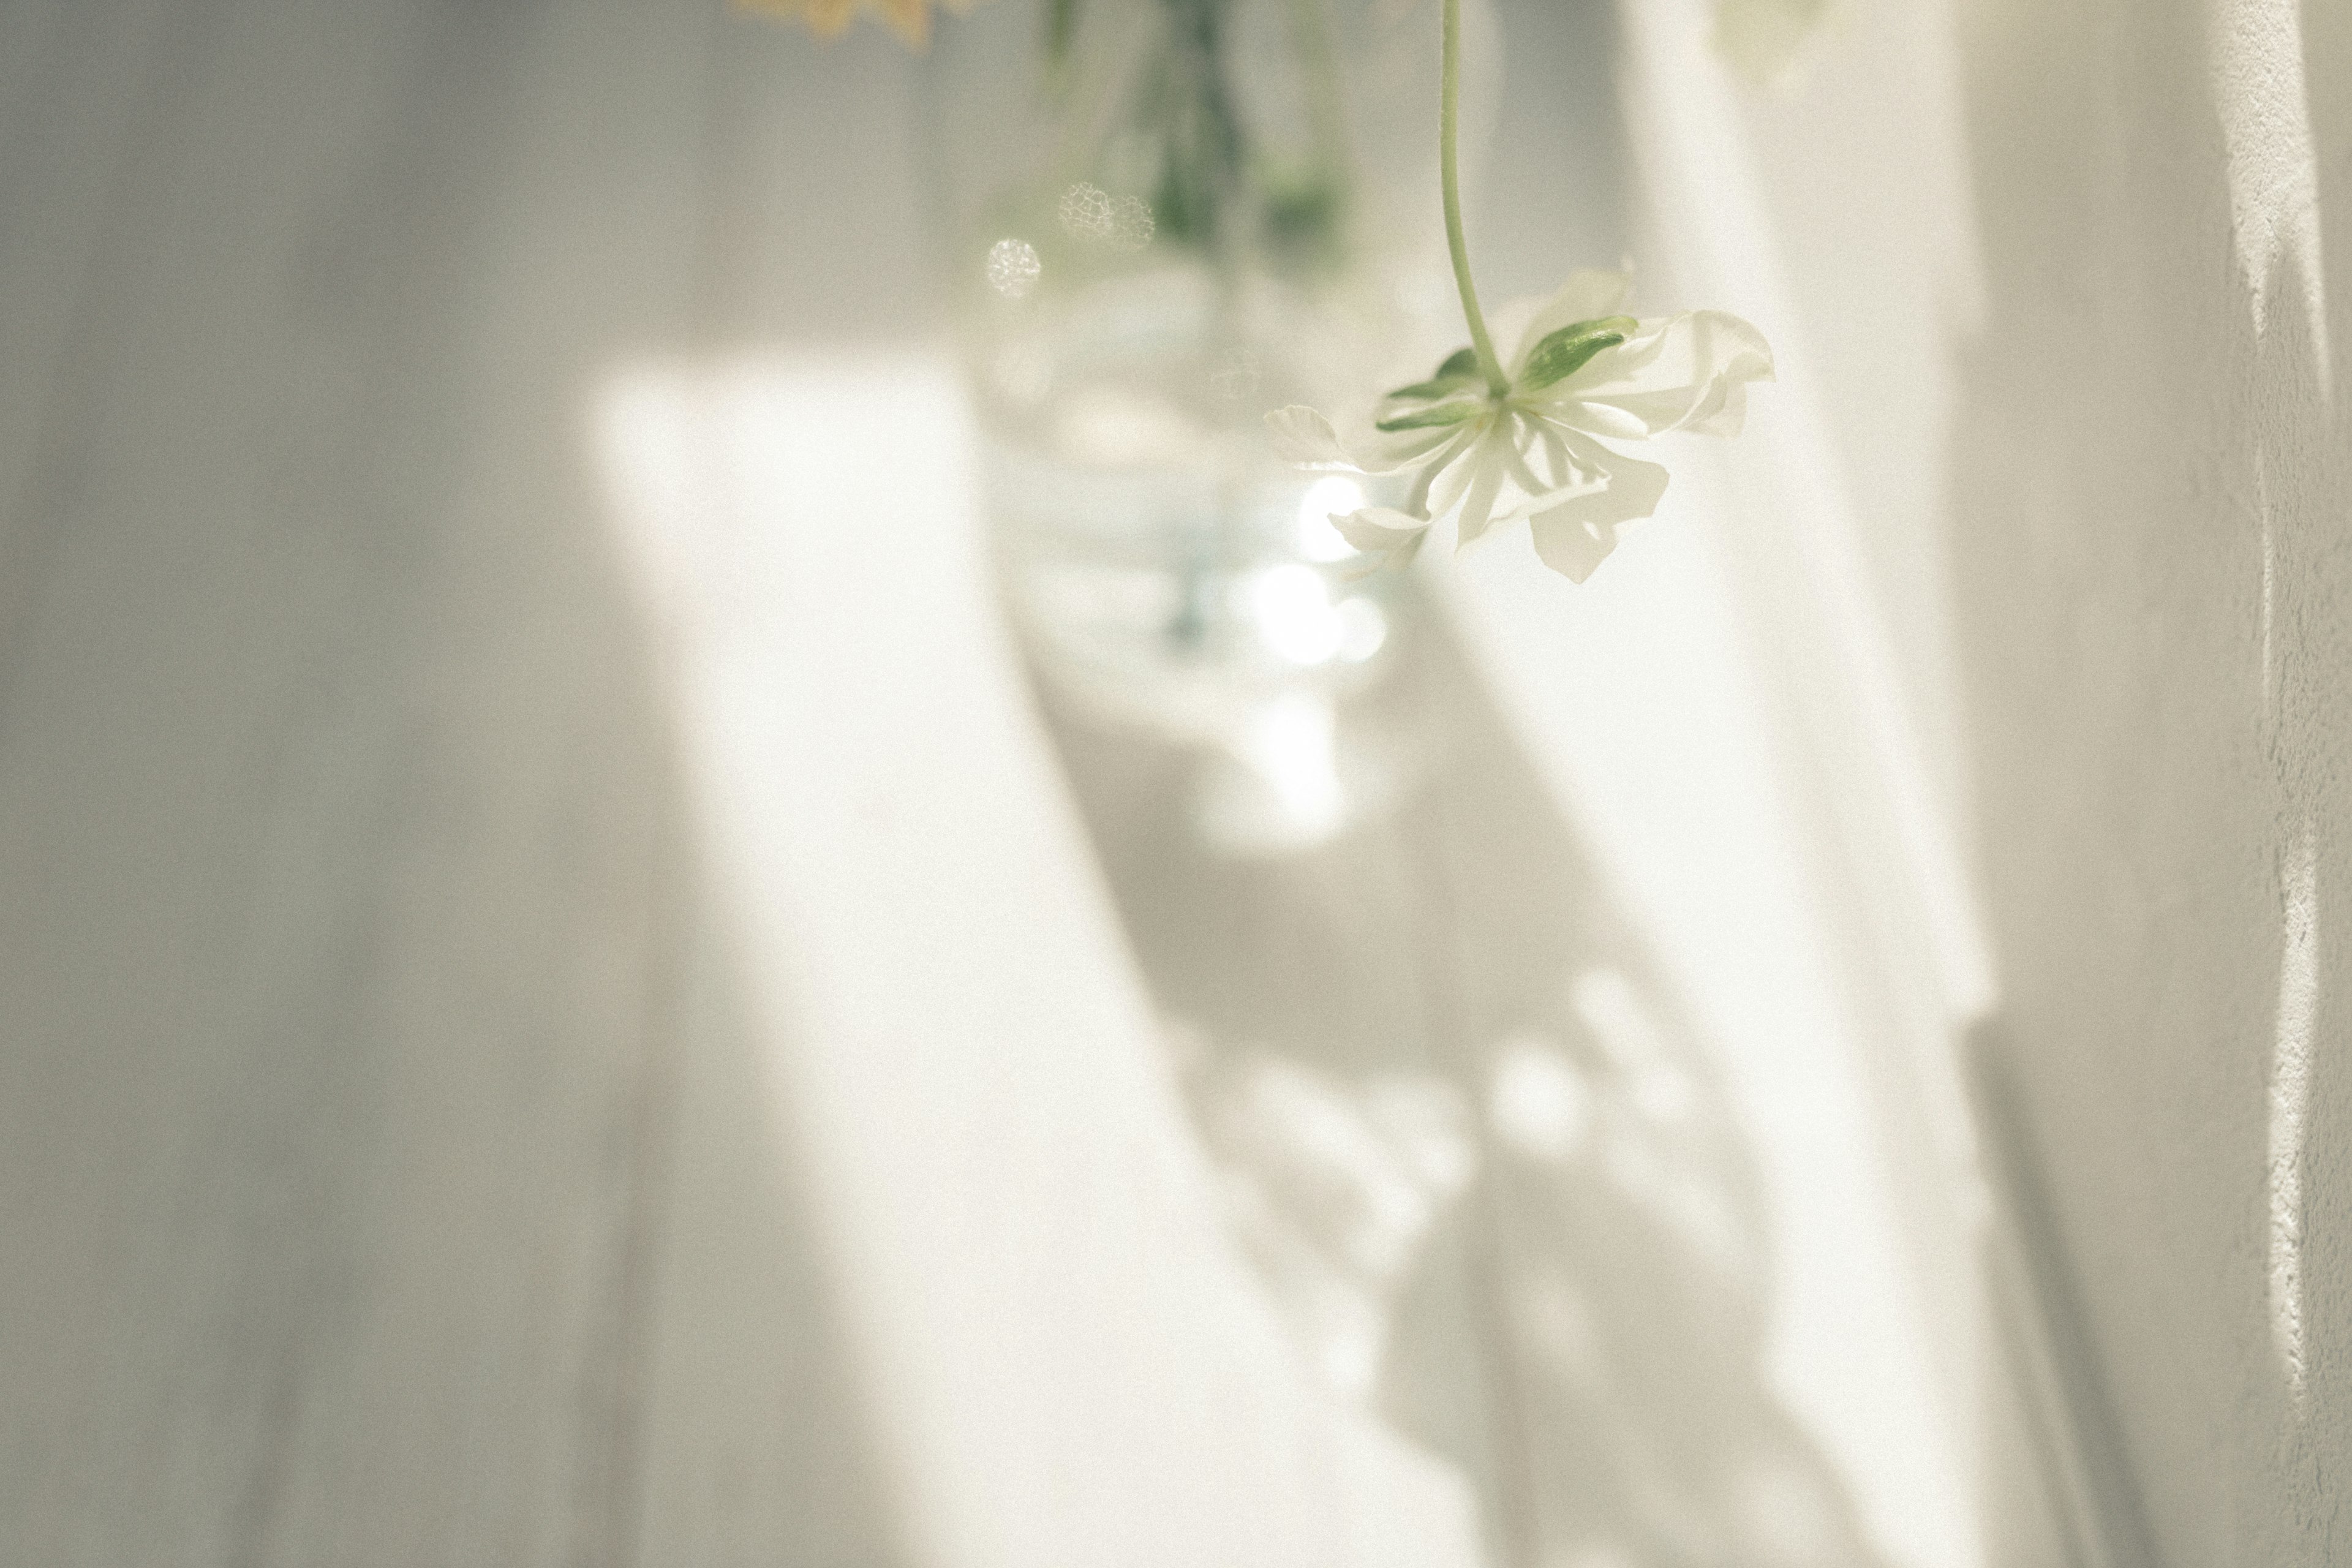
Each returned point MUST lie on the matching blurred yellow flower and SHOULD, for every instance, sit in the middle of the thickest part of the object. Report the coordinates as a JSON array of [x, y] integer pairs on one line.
[[910, 20]]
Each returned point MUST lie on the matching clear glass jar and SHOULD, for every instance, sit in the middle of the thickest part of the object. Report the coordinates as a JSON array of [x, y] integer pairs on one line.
[[1164, 219]]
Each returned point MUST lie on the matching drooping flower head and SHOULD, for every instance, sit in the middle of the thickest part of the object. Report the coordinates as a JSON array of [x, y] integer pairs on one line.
[[910, 20], [1582, 376]]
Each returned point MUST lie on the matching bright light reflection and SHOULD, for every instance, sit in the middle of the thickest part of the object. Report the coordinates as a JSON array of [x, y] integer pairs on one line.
[[1012, 267], [1294, 614], [1317, 540]]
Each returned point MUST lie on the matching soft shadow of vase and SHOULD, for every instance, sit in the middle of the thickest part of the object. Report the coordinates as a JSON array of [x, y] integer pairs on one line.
[[1165, 218], [1478, 1152]]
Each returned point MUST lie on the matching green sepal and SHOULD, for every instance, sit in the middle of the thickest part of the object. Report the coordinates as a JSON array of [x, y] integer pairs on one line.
[[1564, 353], [1436, 413], [1462, 363], [1460, 369]]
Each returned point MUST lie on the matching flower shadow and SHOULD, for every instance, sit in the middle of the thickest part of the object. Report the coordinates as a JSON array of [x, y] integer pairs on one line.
[[1471, 1142]]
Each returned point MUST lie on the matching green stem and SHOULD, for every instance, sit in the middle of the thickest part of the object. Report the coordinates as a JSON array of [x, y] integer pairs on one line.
[[1449, 118]]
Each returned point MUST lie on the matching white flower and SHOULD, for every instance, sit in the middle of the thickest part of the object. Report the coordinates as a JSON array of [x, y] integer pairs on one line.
[[1581, 376]]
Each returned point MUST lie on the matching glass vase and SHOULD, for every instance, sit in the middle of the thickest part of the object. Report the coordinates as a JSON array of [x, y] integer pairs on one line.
[[1164, 219]]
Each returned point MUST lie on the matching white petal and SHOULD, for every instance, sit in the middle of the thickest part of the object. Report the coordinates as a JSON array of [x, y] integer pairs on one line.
[[1433, 467], [1487, 466], [1599, 419], [1724, 412], [1454, 474], [1302, 435], [1686, 371], [1562, 468], [1631, 488], [1382, 533], [1514, 461], [1393, 451], [1571, 545], [1508, 324], [1590, 293], [1539, 502], [1574, 536], [1376, 528]]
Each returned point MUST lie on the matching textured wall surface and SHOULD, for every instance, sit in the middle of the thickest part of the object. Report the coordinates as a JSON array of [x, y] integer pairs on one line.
[[2068, 288], [2150, 530]]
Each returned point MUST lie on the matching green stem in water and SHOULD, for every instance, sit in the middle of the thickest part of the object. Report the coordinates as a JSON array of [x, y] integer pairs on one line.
[[1318, 66], [1449, 118], [1202, 132]]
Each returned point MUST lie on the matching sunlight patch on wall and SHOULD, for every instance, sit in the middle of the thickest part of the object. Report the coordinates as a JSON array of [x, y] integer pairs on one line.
[[2259, 93], [2289, 1099], [960, 1053]]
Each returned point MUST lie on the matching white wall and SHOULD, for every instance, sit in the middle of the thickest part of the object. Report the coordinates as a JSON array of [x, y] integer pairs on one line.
[[2067, 287], [2151, 549]]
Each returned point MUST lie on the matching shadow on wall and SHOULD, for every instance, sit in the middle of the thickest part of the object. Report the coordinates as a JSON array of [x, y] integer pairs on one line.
[[2055, 1470], [1471, 1146], [2151, 533]]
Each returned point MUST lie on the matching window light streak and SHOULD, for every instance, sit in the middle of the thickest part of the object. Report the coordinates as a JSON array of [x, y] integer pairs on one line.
[[2258, 55], [1072, 1397], [2289, 1099]]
